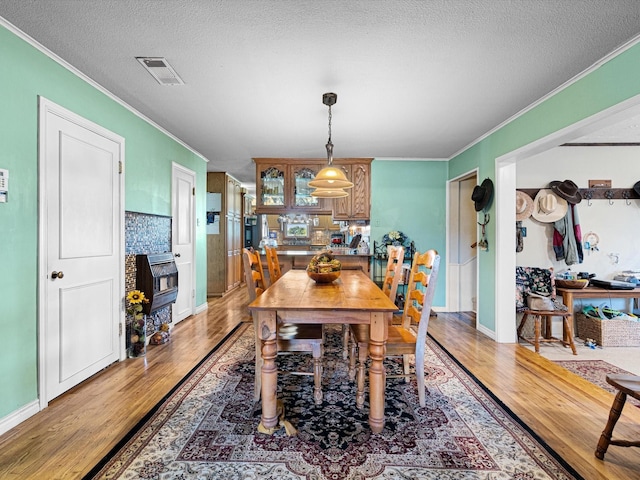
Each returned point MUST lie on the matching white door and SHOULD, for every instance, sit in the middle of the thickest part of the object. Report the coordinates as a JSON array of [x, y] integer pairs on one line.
[[81, 259], [182, 238]]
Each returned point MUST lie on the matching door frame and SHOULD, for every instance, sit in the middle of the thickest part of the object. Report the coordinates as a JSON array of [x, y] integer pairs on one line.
[[174, 167], [45, 107], [505, 194], [453, 187]]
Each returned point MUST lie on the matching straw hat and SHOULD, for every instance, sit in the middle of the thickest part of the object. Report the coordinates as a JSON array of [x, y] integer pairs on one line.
[[524, 206], [548, 207]]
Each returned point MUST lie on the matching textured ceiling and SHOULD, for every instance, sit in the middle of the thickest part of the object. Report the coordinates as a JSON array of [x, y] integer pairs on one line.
[[414, 78]]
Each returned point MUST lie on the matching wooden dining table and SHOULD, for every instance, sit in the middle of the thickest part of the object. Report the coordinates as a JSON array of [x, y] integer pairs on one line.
[[295, 298]]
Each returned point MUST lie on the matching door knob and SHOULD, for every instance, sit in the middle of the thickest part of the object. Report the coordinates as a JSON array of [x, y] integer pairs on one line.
[[177, 254], [55, 275]]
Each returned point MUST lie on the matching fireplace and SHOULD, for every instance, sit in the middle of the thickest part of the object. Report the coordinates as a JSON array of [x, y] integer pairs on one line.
[[157, 277]]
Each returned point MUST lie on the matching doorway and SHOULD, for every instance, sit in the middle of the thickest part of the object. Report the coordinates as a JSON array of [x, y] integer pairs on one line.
[[462, 245], [505, 328], [81, 249]]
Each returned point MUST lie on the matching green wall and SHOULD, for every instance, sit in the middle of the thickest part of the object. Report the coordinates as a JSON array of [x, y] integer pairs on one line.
[[410, 196], [26, 74], [613, 82]]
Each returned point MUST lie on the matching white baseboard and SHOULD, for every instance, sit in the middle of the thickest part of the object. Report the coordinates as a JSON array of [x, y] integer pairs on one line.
[[19, 416], [202, 308]]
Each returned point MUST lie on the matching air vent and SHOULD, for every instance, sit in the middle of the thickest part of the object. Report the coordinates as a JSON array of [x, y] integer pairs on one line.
[[160, 69]]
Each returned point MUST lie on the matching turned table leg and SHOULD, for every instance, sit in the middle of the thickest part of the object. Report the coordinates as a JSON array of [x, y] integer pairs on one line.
[[269, 371], [377, 347]]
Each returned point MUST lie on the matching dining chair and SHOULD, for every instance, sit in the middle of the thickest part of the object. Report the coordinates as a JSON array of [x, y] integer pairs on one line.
[[273, 263], [626, 385], [291, 337], [392, 277], [403, 340]]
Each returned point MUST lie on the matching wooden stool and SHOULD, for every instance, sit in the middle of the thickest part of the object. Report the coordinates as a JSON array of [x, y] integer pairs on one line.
[[540, 316], [627, 385]]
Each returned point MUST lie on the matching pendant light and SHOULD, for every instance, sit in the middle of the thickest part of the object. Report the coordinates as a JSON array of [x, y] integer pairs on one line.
[[330, 181]]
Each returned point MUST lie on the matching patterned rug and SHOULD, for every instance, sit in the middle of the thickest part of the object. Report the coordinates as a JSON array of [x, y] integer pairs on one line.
[[206, 428], [596, 371]]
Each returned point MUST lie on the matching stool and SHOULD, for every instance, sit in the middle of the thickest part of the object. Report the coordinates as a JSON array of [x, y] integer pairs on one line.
[[540, 316], [626, 385]]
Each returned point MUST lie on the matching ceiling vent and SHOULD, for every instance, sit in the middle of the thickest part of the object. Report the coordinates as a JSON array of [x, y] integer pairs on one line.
[[160, 69]]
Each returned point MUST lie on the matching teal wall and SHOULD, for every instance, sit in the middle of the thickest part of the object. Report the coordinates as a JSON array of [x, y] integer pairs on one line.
[[26, 74], [615, 81], [410, 196]]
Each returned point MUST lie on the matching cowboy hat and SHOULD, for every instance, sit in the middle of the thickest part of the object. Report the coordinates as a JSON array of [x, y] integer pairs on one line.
[[548, 207], [567, 190], [482, 194], [524, 206]]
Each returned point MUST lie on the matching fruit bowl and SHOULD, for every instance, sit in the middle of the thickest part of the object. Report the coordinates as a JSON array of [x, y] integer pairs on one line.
[[324, 274], [580, 283]]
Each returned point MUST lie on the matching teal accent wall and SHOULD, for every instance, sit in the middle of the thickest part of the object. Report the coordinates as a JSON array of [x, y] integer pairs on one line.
[[410, 196], [613, 82], [27, 73]]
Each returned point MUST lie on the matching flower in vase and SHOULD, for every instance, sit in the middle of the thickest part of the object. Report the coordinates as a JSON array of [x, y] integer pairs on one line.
[[136, 298], [395, 237]]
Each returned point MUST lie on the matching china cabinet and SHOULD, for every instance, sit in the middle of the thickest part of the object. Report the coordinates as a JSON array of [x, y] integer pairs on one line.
[[356, 206], [224, 249], [282, 185]]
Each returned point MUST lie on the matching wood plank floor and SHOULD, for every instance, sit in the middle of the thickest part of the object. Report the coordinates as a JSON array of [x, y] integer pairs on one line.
[[68, 438]]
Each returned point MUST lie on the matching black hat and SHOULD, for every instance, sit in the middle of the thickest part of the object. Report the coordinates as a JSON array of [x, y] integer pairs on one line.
[[567, 190], [636, 188], [482, 194]]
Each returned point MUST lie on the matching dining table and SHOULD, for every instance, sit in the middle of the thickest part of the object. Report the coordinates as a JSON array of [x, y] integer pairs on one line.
[[296, 298]]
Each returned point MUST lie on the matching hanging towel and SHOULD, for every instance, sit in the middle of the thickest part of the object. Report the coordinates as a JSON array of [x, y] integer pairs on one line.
[[567, 237]]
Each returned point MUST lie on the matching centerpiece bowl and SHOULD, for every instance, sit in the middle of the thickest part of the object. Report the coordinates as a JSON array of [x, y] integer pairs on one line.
[[323, 273]]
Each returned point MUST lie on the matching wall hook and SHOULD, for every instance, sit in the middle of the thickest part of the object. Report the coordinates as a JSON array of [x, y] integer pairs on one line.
[[609, 195], [588, 195], [625, 195]]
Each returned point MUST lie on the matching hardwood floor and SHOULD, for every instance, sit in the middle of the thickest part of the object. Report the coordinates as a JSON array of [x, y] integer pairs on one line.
[[68, 438]]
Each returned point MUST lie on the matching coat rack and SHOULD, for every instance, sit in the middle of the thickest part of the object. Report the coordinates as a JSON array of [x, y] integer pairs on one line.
[[589, 194]]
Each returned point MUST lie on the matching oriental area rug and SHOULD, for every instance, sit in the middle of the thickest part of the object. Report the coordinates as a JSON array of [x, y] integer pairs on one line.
[[596, 371], [206, 428]]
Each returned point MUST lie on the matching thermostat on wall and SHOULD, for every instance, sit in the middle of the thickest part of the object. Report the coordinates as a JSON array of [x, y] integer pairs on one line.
[[4, 185]]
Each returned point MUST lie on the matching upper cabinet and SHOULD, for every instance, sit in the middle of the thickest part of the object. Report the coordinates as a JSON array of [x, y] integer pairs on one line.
[[356, 206], [282, 185]]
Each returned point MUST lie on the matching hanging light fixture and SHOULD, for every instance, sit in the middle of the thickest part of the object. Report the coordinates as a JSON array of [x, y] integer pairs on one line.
[[330, 181]]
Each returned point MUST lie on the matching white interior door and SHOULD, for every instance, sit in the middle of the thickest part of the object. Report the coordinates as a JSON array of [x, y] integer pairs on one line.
[[182, 238], [81, 258]]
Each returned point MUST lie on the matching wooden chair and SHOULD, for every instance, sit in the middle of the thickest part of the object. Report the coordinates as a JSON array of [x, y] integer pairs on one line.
[[291, 337], [626, 385], [392, 277], [541, 279], [403, 339], [393, 273], [272, 263]]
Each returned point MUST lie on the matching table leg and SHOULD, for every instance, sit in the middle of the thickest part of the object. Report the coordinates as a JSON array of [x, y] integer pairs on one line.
[[266, 331], [378, 334]]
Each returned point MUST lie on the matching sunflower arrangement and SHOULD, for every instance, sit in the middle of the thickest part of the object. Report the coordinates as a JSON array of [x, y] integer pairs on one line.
[[138, 327]]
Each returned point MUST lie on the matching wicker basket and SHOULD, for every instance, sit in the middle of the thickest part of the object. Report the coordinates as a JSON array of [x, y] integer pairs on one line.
[[608, 333]]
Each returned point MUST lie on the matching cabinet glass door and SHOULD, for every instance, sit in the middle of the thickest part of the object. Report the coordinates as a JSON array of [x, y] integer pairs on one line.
[[272, 187], [302, 191]]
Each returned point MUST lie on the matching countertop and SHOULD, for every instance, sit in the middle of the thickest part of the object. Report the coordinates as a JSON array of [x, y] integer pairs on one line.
[[297, 253]]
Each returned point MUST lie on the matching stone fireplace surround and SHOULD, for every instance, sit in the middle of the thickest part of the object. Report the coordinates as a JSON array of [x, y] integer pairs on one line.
[[145, 234]]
